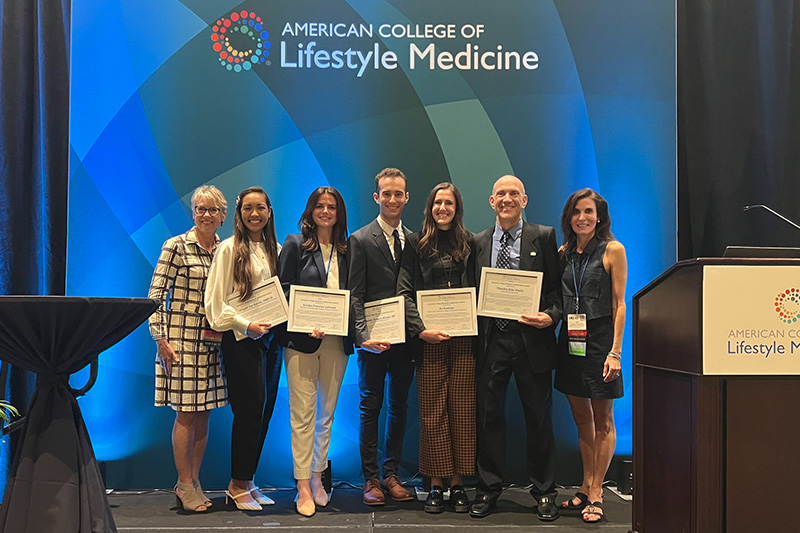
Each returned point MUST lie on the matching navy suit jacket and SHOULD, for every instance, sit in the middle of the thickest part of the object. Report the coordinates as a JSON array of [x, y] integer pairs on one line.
[[538, 252], [297, 266], [372, 274]]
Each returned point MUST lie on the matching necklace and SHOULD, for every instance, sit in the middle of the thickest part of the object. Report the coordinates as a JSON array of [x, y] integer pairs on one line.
[[447, 270]]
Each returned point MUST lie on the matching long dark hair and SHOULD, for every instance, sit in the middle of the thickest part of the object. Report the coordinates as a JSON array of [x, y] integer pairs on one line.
[[308, 227], [428, 240], [603, 229], [242, 269]]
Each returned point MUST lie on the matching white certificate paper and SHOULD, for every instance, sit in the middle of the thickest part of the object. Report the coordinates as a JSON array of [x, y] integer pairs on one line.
[[317, 307], [267, 304], [386, 320], [508, 293], [450, 311]]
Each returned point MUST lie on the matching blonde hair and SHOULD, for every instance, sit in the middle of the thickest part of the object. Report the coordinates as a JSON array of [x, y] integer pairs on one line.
[[210, 192]]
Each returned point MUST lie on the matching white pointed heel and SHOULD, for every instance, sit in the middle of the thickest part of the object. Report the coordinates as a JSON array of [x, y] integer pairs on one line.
[[242, 506], [260, 497]]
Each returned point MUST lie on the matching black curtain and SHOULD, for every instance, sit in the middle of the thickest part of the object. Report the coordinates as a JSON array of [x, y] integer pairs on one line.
[[738, 124], [34, 155]]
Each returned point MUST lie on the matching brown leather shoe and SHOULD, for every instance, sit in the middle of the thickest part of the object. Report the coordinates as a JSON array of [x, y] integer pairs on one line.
[[373, 495], [397, 491]]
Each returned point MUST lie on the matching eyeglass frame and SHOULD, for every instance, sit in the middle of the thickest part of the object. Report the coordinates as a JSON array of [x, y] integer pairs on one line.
[[200, 210]]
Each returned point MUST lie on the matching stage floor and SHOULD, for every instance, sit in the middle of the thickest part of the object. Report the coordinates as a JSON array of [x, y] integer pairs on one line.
[[151, 511]]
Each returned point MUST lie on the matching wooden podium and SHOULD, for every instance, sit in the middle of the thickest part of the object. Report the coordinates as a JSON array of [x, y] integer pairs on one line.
[[716, 451]]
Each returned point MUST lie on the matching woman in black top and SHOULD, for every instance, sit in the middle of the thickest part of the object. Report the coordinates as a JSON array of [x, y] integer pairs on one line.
[[589, 370], [439, 257]]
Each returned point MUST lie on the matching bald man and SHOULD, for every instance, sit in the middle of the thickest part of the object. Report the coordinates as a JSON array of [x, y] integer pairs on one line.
[[525, 348]]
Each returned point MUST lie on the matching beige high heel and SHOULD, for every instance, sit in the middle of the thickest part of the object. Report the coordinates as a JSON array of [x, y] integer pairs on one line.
[[307, 509], [242, 506], [199, 490], [187, 499], [320, 501]]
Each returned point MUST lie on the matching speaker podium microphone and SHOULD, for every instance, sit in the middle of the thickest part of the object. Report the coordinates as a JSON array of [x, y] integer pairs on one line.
[[762, 206]]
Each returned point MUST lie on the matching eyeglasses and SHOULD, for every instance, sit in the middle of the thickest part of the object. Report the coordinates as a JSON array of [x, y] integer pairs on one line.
[[200, 210]]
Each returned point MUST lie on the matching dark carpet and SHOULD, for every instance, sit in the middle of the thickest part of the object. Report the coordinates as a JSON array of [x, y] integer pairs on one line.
[[153, 511]]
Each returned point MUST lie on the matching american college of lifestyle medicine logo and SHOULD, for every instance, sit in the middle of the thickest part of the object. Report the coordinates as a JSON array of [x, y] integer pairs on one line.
[[787, 305], [240, 40]]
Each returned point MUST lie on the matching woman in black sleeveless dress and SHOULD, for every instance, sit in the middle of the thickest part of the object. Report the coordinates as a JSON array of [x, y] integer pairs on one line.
[[590, 342]]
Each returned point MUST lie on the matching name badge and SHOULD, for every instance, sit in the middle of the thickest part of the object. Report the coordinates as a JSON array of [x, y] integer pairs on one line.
[[209, 337], [576, 331]]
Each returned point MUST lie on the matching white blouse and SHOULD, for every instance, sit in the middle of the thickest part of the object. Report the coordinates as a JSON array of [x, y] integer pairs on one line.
[[330, 257], [221, 288]]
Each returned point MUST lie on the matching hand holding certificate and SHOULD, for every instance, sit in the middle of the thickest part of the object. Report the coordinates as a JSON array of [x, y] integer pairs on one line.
[[509, 294], [326, 310], [451, 311], [386, 320]]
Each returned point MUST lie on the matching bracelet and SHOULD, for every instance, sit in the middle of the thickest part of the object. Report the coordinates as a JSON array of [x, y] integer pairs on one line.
[[615, 355]]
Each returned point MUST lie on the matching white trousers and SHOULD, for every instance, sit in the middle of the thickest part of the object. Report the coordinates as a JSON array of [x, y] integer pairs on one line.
[[314, 381]]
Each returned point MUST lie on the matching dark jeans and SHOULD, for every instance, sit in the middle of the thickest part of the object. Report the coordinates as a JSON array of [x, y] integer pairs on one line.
[[253, 370], [505, 354], [373, 371]]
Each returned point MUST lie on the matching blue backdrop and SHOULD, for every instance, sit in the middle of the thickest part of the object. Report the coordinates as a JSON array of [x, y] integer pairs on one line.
[[170, 95]]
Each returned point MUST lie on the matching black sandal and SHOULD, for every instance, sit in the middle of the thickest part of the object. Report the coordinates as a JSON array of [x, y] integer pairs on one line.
[[570, 504], [594, 508]]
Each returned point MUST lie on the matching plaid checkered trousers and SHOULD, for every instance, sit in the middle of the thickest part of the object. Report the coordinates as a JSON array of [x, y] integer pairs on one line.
[[446, 395]]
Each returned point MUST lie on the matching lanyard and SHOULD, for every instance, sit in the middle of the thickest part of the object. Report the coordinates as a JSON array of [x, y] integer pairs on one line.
[[330, 257], [578, 283]]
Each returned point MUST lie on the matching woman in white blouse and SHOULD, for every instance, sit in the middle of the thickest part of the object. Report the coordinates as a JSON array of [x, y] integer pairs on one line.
[[250, 355]]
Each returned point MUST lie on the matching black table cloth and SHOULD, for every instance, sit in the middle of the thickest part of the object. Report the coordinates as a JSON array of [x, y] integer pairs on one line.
[[55, 482]]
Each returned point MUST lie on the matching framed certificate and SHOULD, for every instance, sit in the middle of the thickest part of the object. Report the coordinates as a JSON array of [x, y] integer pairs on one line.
[[450, 311], [386, 320], [508, 293], [267, 304], [317, 307]]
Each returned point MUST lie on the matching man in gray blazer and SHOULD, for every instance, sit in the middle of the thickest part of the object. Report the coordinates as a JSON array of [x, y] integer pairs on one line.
[[375, 252], [525, 348]]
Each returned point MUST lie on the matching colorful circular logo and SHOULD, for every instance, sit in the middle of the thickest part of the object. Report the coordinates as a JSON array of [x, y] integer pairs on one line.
[[240, 40], [787, 305]]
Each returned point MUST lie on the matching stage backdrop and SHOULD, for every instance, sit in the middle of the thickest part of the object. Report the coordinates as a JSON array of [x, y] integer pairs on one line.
[[173, 94]]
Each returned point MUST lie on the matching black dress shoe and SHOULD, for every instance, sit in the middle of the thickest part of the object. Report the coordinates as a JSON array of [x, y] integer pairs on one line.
[[547, 511], [482, 506], [459, 499], [435, 501]]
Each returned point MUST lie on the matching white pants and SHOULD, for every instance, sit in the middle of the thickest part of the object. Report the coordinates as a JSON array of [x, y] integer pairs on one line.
[[314, 381]]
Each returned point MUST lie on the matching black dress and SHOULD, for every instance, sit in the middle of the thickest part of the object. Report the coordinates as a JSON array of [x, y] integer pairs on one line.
[[578, 375]]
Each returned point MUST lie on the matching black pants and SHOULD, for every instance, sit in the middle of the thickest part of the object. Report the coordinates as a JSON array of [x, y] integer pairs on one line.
[[373, 371], [505, 354], [253, 370]]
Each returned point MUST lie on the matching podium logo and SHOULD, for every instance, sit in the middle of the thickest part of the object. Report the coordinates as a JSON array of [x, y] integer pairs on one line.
[[787, 305], [240, 41]]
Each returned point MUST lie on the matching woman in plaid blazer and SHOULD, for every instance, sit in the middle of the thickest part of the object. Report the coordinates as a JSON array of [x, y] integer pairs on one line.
[[188, 375]]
